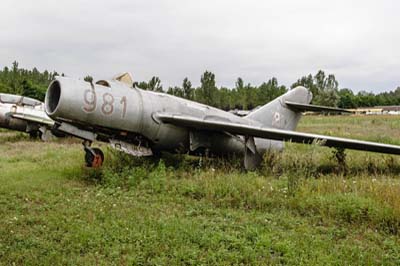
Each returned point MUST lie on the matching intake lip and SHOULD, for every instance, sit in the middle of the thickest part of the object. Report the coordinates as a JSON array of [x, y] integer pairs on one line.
[[53, 96]]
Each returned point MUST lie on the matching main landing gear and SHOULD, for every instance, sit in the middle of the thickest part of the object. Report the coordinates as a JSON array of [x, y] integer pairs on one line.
[[94, 157]]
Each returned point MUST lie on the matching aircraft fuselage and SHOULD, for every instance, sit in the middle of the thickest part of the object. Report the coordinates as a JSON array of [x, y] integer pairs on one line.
[[125, 110]]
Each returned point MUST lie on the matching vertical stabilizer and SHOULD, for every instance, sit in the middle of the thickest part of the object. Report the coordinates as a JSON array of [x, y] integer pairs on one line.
[[277, 114]]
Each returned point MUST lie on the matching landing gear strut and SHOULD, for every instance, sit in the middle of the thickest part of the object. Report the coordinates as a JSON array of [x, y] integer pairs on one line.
[[94, 157]]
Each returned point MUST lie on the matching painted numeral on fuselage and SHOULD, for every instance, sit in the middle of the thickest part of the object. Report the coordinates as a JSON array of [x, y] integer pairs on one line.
[[108, 104], [90, 99], [123, 102], [107, 108]]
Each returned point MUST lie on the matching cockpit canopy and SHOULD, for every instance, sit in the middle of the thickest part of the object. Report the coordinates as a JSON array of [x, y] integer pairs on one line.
[[125, 78]]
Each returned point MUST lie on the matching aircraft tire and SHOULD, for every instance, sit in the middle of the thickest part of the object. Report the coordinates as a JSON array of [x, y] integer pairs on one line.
[[94, 160]]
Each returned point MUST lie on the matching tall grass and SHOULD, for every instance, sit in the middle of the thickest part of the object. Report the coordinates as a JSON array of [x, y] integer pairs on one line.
[[305, 180], [302, 207]]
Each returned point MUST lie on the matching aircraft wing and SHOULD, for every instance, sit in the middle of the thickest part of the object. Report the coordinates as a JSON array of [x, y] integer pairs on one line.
[[36, 119], [277, 134], [32, 115]]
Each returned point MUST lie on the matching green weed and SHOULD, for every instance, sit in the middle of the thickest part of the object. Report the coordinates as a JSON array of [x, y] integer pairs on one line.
[[183, 210]]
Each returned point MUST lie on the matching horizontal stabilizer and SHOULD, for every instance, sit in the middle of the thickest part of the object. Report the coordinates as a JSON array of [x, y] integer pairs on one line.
[[301, 107], [277, 134]]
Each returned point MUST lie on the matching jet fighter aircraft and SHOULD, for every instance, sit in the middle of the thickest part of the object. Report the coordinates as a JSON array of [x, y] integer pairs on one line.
[[142, 123], [24, 114]]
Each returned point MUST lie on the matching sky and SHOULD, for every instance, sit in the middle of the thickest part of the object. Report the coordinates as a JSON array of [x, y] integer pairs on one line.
[[358, 40]]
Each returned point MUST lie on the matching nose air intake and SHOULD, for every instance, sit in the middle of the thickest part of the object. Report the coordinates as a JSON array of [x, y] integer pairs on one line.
[[53, 97]]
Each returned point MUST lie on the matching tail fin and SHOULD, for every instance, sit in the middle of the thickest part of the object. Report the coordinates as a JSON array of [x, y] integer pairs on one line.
[[277, 114]]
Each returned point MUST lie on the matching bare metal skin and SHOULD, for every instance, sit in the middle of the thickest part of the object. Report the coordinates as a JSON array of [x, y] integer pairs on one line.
[[24, 114], [144, 122]]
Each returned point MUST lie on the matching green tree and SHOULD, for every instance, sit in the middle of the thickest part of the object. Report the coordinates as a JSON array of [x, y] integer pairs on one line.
[[16, 80], [308, 82], [242, 94], [176, 91], [187, 89], [141, 85], [269, 90], [207, 92], [225, 99], [88, 78], [33, 91], [324, 88], [346, 99], [154, 84], [328, 92]]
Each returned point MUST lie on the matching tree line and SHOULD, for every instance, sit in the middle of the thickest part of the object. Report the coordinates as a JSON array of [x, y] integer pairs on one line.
[[31, 83], [325, 89]]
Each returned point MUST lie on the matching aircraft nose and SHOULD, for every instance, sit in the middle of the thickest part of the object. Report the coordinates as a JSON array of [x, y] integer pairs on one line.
[[53, 96]]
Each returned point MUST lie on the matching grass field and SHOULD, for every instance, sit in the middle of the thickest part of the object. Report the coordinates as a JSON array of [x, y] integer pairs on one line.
[[301, 208]]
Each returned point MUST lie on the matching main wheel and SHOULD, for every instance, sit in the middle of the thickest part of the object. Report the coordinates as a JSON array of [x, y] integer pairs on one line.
[[94, 157]]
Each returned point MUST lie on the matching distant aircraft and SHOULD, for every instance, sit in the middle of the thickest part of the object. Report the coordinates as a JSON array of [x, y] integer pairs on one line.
[[24, 114], [143, 123]]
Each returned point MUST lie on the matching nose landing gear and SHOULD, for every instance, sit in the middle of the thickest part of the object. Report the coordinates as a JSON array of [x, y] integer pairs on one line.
[[94, 157]]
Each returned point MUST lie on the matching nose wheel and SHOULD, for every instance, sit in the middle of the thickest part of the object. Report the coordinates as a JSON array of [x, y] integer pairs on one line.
[[94, 157]]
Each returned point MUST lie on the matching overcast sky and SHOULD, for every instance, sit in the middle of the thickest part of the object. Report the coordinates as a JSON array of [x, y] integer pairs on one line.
[[358, 40]]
